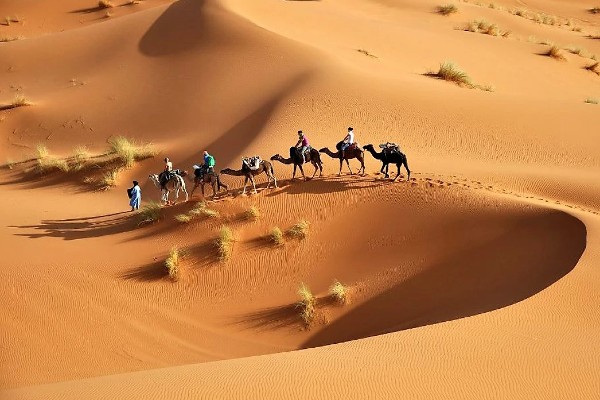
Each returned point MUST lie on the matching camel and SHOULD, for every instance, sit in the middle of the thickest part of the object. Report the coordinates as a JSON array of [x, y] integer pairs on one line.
[[213, 179], [313, 156], [352, 152], [175, 183], [391, 158], [249, 174]]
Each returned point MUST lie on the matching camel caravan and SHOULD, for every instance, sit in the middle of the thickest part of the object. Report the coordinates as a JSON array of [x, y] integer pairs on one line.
[[172, 180]]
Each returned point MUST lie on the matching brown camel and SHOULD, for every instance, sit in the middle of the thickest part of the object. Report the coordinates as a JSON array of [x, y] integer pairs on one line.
[[354, 151], [249, 174], [312, 156], [213, 179]]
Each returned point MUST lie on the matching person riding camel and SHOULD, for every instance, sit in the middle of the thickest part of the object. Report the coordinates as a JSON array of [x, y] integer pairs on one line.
[[209, 163], [348, 140], [302, 145], [165, 175]]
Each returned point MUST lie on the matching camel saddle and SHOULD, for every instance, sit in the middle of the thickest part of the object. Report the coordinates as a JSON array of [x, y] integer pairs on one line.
[[389, 147], [251, 162]]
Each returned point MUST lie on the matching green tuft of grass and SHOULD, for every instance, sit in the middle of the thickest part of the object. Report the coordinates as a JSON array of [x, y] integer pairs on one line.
[[183, 218], [252, 213], [447, 9], [307, 304], [555, 53], [225, 243], [339, 292], [172, 263], [150, 213], [300, 230], [128, 151], [591, 100], [276, 236]]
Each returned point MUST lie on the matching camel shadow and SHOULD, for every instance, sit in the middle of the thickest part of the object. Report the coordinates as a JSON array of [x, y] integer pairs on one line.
[[324, 185], [82, 228], [531, 255]]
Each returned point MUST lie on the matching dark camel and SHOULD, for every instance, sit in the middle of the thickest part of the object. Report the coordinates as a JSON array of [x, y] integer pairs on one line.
[[215, 182], [248, 174], [313, 156], [388, 158], [353, 151]]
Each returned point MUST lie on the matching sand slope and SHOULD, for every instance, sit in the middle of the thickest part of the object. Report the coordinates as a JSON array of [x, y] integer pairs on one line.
[[475, 279]]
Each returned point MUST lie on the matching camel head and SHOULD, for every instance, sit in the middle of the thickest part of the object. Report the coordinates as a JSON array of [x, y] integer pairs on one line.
[[154, 178], [368, 147], [323, 150], [226, 170], [276, 157]]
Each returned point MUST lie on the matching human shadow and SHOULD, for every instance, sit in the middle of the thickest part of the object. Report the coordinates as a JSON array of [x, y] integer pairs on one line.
[[531, 255], [82, 228]]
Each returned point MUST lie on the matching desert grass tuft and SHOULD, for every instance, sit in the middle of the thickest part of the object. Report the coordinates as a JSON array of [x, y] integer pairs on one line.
[[183, 218], [448, 71], [252, 213], [10, 164], [9, 38], [276, 236], [51, 164], [339, 292], [172, 263], [18, 101], [555, 53], [225, 243], [200, 210], [591, 100], [366, 53], [300, 229], [595, 68], [150, 213], [307, 304], [105, 4], [128, 151], [109, 179], [447, 9], [594, 10], [41, 151], [80, 156]]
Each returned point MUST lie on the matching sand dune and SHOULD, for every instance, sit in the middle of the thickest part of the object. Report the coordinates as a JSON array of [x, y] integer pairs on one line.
[[473, 279]]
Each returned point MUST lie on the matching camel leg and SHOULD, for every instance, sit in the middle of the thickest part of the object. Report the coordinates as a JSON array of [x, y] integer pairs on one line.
[[254, 184], [348, 164], [302, 171], [293, 174], [274, 179], [316, 168], [341, 162], [187, 196], [245, 183], [407, 170], [398, 172]]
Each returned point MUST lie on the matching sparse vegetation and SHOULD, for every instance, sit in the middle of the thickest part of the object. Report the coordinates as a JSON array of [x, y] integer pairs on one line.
[[307, 304], [80, 156], [594, 10], [10, 164], [108, 14], [555, 53], [252, 213], [9, 38], [225, 243], [447, 9], [129, 152], [339, 292], [150, 213], [172, 263], [300, 230], [366, 53], [18, 101], [482, 26], [577, 50], [201, 210], [50, 164], [595, 68], [591, 100], [183, 218], [105, 4], [41, 151], [9, 20], [450, 72], [277, 236], [109, 179]]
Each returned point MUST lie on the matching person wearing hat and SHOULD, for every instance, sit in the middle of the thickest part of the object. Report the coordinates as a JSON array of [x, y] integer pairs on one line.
[[348, 140], [135, 196], [209, 163], [302, 145]]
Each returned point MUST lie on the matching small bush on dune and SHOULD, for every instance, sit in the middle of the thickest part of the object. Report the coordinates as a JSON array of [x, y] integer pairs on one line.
[[200, 210], [129, 152], [594, 68], [41, 151], [150, 213], [277, 236], [80, 156], [300, 230], [555, 53], [18, 101], [452, 73], [252, 213], [306, 304], [339, 292], [50, 164], [9, 38], [225, 243], [109, 179], [105, 4], [172, 263], [447, 9], [594, 10], [183, 218], [10, 164], [591, 101]]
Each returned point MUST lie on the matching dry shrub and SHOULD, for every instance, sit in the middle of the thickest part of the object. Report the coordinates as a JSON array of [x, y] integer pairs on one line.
[[339, 292], [594, 68], [128, 151], [299, 230], [51, 164], [448, 71], [109, 179], [367, 53], [594, 10], [307, 304], [447, 9], [591, 101], [80, 156], [276, 236], [105, 4], [172, 263], [252, 213], [183, 218], [225, 243], [200, 210], [555, 53], [150, 213]]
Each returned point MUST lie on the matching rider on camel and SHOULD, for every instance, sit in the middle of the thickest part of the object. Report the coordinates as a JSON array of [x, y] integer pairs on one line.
[[348, 140], [302, 145], [209, 163], [165, 175]]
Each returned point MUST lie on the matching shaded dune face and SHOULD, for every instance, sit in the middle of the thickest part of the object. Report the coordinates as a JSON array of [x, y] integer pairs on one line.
[[477, 275]]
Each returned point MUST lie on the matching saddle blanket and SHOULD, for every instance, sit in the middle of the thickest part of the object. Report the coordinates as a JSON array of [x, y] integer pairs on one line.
[[252, 162]]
